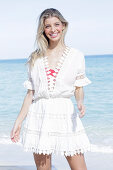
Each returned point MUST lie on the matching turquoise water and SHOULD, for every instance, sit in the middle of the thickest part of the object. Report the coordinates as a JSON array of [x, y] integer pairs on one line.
[[98, 120]]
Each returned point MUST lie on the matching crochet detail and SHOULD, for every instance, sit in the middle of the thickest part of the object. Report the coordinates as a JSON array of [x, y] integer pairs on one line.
[[82, 82], [28, 84], [53, 143], [52, 73], [66, 153], [51, 115], [80, 77], [57, 134]]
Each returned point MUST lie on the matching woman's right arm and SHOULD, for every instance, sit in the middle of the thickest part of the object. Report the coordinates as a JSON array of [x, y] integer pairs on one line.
[[25, 106], [21, 116]]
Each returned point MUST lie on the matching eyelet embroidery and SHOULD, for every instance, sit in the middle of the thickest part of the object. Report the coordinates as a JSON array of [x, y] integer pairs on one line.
[[52, 73], [80, 77], [58, 134]]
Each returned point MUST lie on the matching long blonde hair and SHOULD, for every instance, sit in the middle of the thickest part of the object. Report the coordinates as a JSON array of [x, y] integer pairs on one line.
[[41, 39]]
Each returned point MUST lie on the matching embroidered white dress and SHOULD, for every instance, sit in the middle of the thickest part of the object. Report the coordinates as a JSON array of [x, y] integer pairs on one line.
[[52, 124]]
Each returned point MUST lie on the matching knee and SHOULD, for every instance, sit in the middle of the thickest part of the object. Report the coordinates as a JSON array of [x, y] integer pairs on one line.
[[43, 162]]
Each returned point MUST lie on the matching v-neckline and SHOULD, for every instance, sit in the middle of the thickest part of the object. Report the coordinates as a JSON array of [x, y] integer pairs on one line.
[[57, 69], [58, 61]]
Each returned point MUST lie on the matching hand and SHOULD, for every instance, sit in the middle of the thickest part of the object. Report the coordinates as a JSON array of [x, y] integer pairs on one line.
[[15, 133], [81, 108]]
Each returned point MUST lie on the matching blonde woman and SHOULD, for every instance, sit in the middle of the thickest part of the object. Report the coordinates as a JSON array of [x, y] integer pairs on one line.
[[56, 72]]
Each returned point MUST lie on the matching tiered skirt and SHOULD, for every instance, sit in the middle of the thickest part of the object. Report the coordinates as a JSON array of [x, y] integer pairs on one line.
[[53, 126]]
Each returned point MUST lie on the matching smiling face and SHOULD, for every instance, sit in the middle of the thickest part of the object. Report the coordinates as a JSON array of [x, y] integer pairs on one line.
[[53, 28]]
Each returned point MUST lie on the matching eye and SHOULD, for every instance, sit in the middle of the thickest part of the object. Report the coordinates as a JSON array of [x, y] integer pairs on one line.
[[47, 26], [57, 24]]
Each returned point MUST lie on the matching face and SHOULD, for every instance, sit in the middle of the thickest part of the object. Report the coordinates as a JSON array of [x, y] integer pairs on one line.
[[53, 28]]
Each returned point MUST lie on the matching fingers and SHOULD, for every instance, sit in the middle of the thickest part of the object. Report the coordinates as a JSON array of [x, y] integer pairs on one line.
[[81, 114], [15, 138], [81, 108], [15, 135], [12, 134]]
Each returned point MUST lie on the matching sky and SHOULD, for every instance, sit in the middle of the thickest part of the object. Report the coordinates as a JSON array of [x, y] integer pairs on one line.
[[90, 25]]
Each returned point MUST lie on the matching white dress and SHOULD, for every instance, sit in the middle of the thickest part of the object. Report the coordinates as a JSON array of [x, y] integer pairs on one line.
[[52, 124]]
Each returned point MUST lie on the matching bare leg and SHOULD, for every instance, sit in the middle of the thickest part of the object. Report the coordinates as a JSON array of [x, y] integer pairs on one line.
[[77, 162], [43, 162]]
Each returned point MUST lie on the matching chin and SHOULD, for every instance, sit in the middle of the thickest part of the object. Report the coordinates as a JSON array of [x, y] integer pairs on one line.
[[55, 39]]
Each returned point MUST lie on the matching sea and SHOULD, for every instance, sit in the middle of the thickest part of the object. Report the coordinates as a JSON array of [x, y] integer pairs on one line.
[[98, 99]]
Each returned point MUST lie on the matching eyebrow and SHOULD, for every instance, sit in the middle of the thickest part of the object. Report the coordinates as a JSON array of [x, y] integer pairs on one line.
[[55, 23]]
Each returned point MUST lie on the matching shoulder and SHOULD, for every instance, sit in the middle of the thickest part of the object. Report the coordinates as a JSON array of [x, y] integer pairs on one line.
[[33, 58], [76, 51], [32, 55], [77, 54]]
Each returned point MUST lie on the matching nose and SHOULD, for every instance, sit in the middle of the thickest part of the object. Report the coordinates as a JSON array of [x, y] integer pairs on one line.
[[52, 28]]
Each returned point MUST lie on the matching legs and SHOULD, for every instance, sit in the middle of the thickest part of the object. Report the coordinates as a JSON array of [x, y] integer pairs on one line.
[[76, 162], [43, 162]]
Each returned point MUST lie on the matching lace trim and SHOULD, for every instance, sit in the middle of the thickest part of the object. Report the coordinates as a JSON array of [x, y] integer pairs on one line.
[[52, 79], [28, 84], [82, 82], [58, 134], [80, 77], [50, 115], [50, 151]]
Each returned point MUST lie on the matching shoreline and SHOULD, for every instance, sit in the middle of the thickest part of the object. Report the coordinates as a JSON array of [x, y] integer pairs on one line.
[[13, 157]]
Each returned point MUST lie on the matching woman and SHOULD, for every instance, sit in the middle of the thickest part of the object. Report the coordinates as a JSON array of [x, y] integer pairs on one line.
[[55, 73]]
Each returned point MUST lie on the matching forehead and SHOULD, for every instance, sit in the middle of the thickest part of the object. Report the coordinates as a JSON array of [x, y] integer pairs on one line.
[[51, 20]]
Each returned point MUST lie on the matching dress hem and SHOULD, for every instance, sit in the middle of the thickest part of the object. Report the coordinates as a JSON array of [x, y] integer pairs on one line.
[[63, 153]]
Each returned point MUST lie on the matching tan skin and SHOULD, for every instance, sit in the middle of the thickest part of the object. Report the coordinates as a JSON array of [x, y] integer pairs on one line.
[[53, 28]]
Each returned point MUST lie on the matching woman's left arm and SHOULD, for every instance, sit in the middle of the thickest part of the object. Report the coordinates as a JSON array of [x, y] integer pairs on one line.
[[79, 96]]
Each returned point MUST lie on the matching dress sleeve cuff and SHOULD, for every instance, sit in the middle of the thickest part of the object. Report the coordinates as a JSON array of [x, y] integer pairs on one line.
[[28, 84], [82, 82]]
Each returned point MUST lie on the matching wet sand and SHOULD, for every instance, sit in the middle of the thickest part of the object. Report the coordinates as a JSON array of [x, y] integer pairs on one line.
[[12, 157]]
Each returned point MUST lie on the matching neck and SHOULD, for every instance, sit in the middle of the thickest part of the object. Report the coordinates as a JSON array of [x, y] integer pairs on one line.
[[55, 45]]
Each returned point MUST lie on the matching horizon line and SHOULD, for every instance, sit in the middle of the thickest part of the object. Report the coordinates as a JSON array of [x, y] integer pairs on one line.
[[28, 57]]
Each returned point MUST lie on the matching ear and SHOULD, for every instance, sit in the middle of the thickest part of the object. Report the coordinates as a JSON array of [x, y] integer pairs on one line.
[[63, 27]]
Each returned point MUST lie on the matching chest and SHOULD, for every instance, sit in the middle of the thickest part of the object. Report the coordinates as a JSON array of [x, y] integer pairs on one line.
[[63, 74]]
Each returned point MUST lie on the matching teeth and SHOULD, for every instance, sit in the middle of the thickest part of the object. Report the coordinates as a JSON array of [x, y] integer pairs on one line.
[[53, 34]]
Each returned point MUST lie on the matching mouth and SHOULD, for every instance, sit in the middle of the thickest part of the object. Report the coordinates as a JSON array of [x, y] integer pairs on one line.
[[54, 35]]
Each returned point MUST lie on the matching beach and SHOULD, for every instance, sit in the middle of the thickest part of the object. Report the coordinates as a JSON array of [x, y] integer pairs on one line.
[[12, 157], [98, 120]]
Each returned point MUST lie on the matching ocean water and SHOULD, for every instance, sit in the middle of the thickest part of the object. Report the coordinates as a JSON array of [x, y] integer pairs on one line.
[[98, 120]]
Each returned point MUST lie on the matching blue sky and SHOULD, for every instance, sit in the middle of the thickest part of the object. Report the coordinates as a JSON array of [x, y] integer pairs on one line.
[[90, 25]]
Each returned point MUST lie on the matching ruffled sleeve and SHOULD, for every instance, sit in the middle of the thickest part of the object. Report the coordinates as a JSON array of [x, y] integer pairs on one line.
[[81, 79], [29, 82]]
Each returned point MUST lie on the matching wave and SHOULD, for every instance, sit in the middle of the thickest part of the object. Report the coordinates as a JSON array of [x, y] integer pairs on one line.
[[94, 148], [101, 148]]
